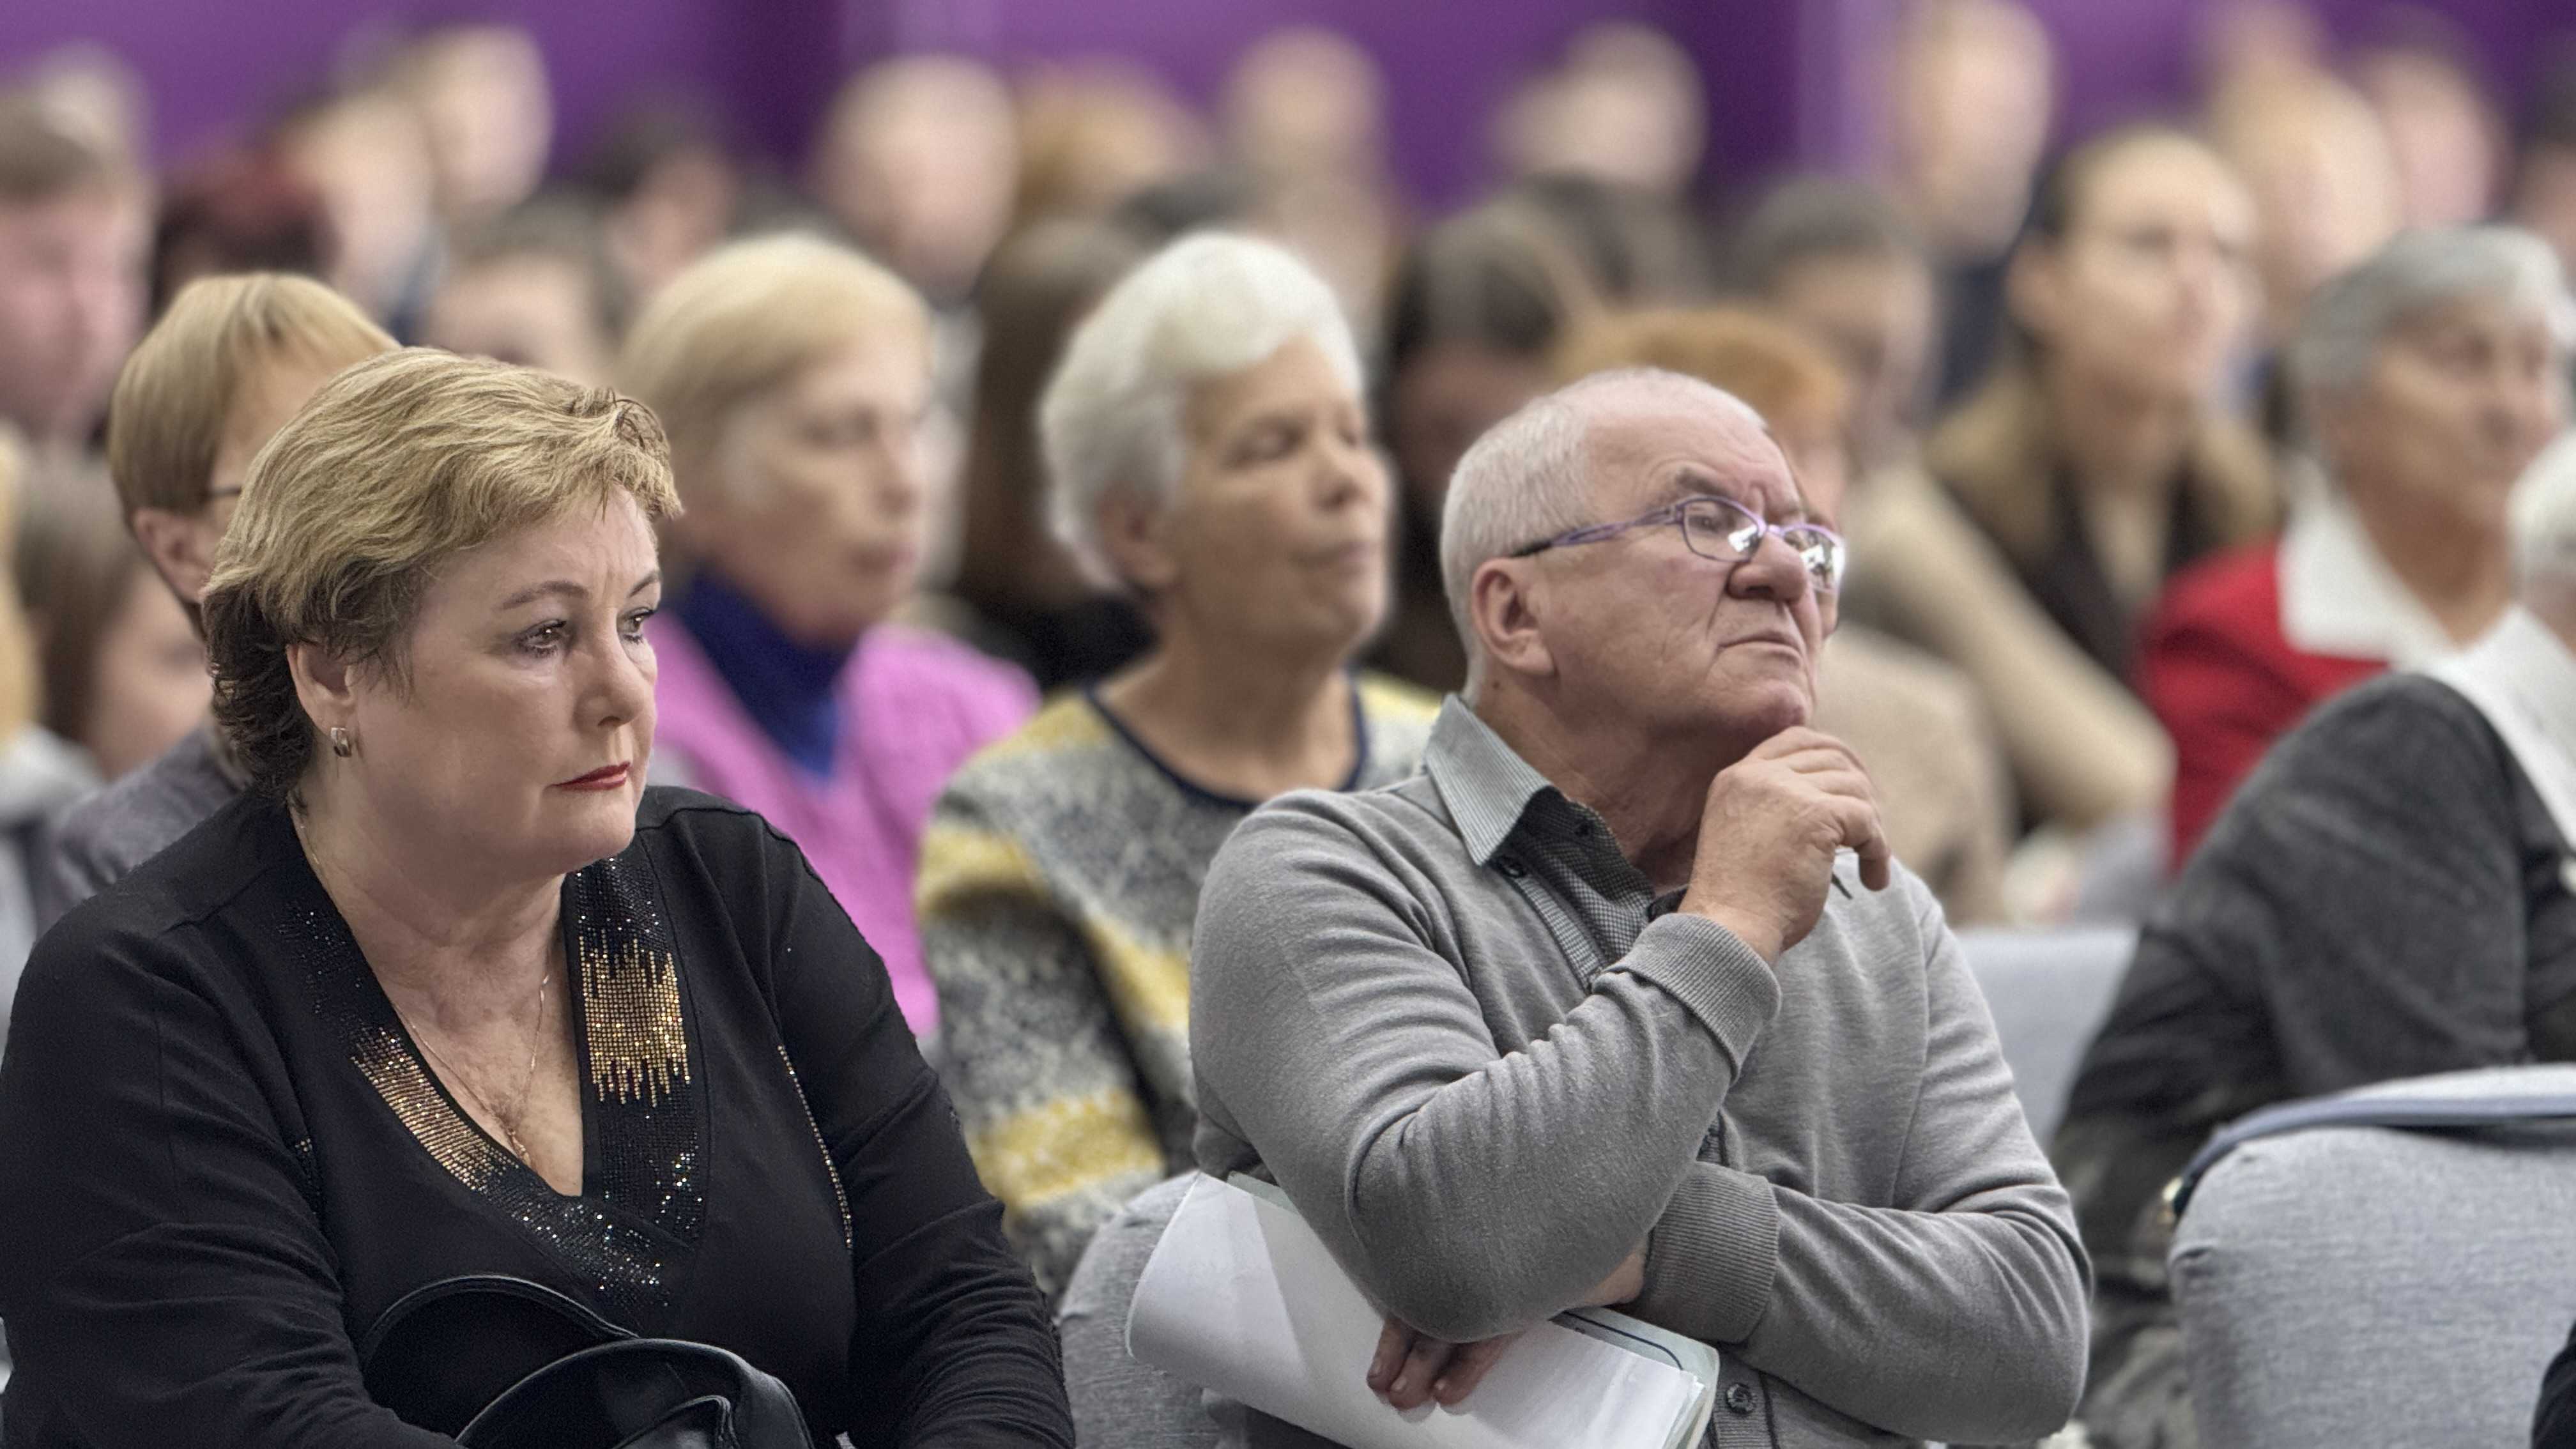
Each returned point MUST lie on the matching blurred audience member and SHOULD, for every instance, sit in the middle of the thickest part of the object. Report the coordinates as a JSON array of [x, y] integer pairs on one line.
[[1972, 92], [1033, 602], [2097, 455], [1839, 260], [1208, 448], [1913, 720], [917, 160], [39, 771], [1094, 133], [237, 211], [1478, 308], [365, 153], [2386, 897], [1836, 258], [230, 361], [2447, 137], [1636, 248], [790, 373], [535, 287], [1305, 120], [124, 674], [98, 99], [72, 235], [1626, 107], [486, 113], [2324, 180], [2544, 181], [669, 189], [2431, 376]]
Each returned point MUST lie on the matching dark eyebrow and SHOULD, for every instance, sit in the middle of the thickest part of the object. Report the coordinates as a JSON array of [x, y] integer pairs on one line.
[[568, 589]]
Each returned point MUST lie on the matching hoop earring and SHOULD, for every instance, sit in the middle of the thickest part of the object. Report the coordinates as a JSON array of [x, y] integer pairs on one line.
[[341, 744]]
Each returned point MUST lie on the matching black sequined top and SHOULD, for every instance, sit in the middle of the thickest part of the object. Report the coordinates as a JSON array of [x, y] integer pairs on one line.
[[227, 1158]]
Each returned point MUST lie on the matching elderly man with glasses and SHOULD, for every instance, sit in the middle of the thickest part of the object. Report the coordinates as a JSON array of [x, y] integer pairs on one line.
[[1622, 1000]]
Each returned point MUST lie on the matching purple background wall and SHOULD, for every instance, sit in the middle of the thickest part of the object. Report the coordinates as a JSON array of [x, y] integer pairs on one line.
[[1786, 78]]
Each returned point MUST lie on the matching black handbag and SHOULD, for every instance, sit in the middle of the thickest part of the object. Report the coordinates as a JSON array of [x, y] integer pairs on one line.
[[502, 1363]]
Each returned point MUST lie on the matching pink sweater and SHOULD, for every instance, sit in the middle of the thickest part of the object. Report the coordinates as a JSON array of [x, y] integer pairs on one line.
[[913, 707]]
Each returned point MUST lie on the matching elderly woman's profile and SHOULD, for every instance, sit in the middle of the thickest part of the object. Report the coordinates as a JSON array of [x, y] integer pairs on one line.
[[449, 992]]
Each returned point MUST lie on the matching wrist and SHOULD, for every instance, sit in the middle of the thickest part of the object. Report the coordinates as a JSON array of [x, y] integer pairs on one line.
[[1753, 928]]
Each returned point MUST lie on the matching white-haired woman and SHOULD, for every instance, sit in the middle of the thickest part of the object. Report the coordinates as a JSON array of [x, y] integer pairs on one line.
[[1208, 449], [2386, 897], [2429, 376]]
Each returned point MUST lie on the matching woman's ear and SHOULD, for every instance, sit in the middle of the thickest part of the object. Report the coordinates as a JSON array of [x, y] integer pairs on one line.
[[1136, 535], [1504, 609], [322, 685]]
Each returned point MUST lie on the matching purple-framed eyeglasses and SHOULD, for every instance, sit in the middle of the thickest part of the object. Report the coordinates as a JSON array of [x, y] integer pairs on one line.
[[1724, 530]]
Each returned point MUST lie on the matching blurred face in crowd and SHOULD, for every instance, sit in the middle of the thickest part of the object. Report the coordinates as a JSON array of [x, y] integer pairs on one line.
[[2324, 183], [366, 157], [2544, 198], [487, 116], [1974, 87], [531, 309], [521, 732], [1441, 402], [2446, 142], [2151, 286], [151, 686], [1277, 529], [71, 305], [2457, 402], [919, 163], [1675, 643], [1875, 313], [817, 512]]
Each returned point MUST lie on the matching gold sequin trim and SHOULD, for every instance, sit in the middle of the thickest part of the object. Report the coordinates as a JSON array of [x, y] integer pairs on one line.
[[639, 1046], [399, 1078]]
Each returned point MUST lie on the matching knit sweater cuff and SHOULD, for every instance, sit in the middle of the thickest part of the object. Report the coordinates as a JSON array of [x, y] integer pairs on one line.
[[1725, 983], [1711, 1257]]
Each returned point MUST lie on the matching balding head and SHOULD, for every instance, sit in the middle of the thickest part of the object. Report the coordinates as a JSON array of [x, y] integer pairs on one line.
[[1532, 475]]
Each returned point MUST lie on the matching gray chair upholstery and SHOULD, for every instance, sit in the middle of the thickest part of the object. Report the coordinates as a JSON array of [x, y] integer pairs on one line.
[[1119, 1403], [2049, 991], [2362, 1285]]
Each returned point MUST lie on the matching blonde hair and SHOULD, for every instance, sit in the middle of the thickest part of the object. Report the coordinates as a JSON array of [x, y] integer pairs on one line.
[[746, 317], [395, 467], [175, 396], [19, 659]]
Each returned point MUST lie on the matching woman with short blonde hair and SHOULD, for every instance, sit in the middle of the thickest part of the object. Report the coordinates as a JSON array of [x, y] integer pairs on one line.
[[450, 994], [791, 372]]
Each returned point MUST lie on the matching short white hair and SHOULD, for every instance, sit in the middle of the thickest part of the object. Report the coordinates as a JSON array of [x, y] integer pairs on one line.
[[1528, 478], [2544, 516], [1206, 306], [2341, 330]]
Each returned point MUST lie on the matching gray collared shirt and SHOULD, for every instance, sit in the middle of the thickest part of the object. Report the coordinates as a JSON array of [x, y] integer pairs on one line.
[[1452, 1022]]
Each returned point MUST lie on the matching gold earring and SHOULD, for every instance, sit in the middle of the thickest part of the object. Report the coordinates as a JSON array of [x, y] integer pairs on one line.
[[341, 744]]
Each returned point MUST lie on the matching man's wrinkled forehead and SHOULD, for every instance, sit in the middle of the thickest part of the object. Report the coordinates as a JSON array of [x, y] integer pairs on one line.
[[1652, 449]]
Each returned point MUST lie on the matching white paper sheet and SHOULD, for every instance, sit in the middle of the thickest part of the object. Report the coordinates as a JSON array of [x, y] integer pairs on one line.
[[1243, 1298]]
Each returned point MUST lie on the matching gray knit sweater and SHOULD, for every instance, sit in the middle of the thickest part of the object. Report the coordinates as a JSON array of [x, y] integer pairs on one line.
[[1826, 1163]]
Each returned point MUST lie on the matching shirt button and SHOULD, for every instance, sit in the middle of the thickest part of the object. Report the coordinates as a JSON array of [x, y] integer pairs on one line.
[[1512, 868], [1739, 1398]]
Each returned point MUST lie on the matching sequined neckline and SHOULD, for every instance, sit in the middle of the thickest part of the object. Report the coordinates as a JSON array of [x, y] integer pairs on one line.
[[632, 1228]]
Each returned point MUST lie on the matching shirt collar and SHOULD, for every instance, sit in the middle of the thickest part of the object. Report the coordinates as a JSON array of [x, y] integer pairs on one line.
[[2536, 665], [2339, 597], [1484, 782]]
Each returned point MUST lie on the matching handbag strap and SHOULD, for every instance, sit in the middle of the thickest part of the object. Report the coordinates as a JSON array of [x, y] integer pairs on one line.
[[2413, 1114]]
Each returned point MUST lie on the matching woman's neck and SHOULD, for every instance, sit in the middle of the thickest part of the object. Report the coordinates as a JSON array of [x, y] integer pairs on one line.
[[1240, 721], [2118, 440], [2460, 572], [467, 945]]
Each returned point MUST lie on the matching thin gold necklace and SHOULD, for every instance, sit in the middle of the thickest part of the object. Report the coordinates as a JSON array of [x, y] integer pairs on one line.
[[509, 1119]]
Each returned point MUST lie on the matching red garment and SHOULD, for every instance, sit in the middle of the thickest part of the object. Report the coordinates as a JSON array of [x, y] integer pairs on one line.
[[2226, 682]]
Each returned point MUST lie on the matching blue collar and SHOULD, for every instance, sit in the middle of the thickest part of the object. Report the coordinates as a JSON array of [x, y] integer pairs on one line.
[[790, 690]]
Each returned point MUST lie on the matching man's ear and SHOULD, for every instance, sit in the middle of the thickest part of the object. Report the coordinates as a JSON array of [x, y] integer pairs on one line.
[[181, 547], [1136, 535], [1505, 611]]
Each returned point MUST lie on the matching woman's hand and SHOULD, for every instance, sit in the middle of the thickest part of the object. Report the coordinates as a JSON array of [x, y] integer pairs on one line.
[[1411, 1369]]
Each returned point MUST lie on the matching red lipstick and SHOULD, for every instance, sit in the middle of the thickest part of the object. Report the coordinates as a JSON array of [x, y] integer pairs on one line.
[[606, 777]]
